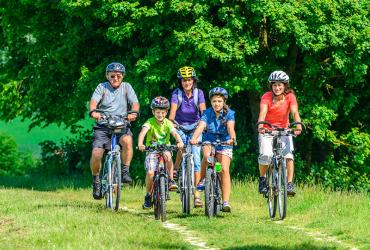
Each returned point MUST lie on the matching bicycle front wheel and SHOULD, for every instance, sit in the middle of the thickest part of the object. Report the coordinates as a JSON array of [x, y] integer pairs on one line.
[[282, 189], [271, 194], [187, 186], [209, 193], [116, 182], [162, 185]]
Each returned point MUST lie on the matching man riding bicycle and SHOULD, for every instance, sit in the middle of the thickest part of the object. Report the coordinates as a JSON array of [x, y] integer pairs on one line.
[[113, 97]]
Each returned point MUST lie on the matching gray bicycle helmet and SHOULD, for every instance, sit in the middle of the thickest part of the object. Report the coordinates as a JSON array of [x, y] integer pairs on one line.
[[279, 76], [115, 66]]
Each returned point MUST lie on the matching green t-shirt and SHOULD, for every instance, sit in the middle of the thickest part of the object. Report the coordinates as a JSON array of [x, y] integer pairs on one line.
[[158, 133]]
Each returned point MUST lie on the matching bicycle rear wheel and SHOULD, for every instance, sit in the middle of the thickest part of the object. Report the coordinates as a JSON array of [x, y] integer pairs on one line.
[[271, 196], [282, 189], [209, 193], [116, 182], [162, 185], [186, 191]]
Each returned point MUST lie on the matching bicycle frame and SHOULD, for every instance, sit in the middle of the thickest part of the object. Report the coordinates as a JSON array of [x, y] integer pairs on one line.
[[276, 192], [160, 192]]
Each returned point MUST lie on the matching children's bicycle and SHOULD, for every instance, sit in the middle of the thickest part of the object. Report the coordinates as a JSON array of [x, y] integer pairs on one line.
[[276, 176], [186, 172], [160, 192], [212, 192], [111, 174]]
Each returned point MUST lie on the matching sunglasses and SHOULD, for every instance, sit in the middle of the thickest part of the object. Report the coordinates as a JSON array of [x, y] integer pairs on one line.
[[119, 76]]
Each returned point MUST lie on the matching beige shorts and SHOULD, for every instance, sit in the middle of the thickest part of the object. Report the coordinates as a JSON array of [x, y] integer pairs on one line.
[[265, 148]]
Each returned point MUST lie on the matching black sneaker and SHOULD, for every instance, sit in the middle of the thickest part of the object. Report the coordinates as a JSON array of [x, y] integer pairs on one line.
[[147, 201], [262, 185], [125, 175], [97, 191], [290, 189]]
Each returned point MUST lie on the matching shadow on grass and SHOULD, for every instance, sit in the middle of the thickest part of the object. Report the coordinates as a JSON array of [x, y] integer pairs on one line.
[[46, 182], [297, 247]]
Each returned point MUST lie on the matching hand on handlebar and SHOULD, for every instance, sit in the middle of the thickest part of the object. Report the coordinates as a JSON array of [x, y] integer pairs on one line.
[[141, 147], [262, 130], [193, 141], [180, 145], [132, 117]]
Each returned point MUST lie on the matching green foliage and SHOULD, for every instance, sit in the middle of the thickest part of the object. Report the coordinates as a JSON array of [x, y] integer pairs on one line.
[[54, 54], [71, 157], [12, 161]]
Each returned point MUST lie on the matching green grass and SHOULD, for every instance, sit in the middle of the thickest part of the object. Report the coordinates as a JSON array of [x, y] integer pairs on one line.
[[56, 212], [28, 141]]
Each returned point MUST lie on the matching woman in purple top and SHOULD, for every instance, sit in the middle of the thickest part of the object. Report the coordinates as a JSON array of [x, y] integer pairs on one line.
[[187, 106]]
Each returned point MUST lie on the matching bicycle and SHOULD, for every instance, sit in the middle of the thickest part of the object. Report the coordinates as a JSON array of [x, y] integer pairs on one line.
[[212, 192], [111, 173], [160, 192], [186, 172], [276, 176]]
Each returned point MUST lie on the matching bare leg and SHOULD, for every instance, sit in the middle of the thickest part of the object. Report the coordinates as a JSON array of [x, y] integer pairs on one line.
[[149, 181], [225, 177], [95, 161], [263, 169], [127, 150], [290, 169], [169, 163]]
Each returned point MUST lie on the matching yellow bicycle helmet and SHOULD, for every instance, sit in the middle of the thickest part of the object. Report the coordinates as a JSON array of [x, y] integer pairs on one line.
[[186, 72]]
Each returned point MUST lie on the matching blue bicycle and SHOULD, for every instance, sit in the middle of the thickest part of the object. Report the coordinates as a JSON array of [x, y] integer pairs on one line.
[[111, 174]]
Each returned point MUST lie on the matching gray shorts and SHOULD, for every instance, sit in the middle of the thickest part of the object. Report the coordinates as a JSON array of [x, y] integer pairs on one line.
[[102, 136]]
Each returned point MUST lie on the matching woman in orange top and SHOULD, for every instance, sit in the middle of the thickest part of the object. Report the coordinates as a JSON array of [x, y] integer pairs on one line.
[[275, 107]]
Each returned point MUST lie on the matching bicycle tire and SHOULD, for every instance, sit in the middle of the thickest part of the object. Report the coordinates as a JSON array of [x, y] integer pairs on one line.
[[282, 189], [186, 194], [271, 197], [116, 182], [217, 188], [156, 198], [209, 193], [162, 184], [105, 182]]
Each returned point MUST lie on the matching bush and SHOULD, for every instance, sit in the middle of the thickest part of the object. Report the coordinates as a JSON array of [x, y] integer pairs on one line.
[[72, 156], [12, 161]]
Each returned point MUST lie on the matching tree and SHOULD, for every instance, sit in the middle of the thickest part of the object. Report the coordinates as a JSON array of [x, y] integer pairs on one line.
[[56, 52]]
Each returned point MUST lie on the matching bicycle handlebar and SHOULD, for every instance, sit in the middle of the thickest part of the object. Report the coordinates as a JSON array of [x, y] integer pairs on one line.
[[290, 128], [115, 121], [215, 143], [160, 148]]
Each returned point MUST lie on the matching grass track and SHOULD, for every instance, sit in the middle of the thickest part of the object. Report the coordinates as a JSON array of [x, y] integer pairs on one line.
[[35, 214]]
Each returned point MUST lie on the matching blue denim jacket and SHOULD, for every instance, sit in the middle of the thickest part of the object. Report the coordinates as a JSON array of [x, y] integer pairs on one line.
[[215, 129]]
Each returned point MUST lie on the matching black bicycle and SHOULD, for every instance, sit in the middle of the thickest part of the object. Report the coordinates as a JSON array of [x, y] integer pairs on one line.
[[276, 176], [111, 174], [212, 192], [160, 192], [186, 172]]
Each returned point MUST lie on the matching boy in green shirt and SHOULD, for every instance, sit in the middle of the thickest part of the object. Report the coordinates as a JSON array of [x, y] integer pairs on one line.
[[157, 131]]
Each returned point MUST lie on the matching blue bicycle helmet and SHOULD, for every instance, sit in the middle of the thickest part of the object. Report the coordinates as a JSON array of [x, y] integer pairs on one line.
[[218, 91], [115, 66]]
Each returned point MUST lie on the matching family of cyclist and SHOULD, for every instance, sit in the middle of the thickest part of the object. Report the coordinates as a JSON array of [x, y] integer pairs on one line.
[[188, 109]]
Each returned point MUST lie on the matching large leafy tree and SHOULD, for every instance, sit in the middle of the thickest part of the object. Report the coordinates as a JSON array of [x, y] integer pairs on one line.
[[54, 54]]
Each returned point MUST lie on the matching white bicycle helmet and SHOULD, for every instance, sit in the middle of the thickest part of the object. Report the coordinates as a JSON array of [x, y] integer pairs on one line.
[[279, 76]]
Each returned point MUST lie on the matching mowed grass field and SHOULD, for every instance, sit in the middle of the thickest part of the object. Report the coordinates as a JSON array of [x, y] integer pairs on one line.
[[29, 140], [59, 213]]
